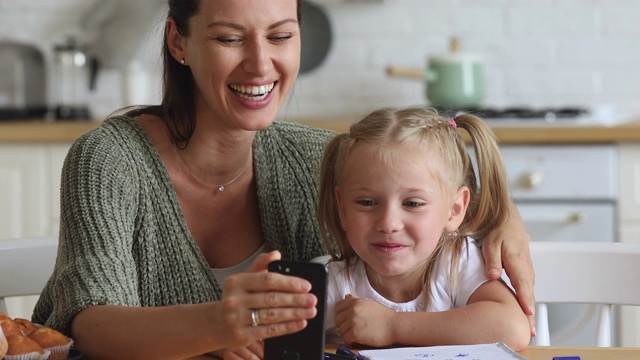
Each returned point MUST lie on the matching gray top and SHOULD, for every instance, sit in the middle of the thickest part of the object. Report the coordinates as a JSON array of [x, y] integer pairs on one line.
[[123, 237]]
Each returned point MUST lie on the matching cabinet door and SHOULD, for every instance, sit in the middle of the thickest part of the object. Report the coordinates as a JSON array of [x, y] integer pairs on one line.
[[629, 202], [629, 227], [24, 200], [57, 154]]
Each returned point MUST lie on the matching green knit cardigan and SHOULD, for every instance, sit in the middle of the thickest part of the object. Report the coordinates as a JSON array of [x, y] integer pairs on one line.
[[124, 240]]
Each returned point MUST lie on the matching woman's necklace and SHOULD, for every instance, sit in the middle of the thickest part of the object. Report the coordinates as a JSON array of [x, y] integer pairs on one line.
[[221, 187]]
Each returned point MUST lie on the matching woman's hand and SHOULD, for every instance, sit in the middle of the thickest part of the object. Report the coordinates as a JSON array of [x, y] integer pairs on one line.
[[508, 246], [259, 304], [364, 322]]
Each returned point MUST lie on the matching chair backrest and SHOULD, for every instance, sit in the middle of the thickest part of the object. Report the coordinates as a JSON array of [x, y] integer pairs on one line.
[[25, 266], [604, 273]]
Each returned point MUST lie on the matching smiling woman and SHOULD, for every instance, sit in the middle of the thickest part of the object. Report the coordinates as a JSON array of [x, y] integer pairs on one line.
[[229, 66]]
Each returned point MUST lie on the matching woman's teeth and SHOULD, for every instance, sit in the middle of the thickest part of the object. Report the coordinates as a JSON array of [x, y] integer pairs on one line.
[[252, 92]]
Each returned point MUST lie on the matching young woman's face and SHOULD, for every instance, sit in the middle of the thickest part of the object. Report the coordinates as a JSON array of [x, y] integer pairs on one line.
[[394, 215], [244, 56]]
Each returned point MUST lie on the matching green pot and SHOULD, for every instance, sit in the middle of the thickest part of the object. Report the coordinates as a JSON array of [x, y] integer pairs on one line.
[[455, 82]]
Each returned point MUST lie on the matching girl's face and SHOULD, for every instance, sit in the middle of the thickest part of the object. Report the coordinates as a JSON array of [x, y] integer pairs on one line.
[[244, 56], [394, 215]]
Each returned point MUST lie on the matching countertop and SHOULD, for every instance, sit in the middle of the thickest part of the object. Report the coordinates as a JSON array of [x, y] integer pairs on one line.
[[36, 131], [66, 131], [565, 133]]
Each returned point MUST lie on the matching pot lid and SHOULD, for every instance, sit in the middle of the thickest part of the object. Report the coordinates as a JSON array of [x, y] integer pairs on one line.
[[455, 56]]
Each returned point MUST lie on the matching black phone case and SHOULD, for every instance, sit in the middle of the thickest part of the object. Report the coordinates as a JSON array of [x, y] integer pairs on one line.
[[307, 344]]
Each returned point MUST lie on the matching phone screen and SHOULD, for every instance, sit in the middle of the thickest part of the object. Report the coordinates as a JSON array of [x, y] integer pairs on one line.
[[307, 344]]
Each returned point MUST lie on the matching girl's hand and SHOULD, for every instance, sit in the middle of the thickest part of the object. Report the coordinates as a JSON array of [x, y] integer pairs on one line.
[[364, 322], [508, 246], [254, 351], [259, 304]]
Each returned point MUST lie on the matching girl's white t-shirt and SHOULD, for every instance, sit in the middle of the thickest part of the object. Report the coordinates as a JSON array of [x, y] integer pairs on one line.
[[471, 275]]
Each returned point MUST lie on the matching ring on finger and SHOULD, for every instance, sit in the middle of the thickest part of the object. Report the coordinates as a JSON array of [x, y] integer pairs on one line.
[[255, 318]]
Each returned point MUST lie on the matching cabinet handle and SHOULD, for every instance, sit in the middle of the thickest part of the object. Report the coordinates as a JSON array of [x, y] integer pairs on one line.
[[572, 218], [532, 180]]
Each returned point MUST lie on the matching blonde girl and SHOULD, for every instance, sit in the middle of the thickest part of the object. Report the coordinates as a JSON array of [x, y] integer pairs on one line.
[[404, 212]]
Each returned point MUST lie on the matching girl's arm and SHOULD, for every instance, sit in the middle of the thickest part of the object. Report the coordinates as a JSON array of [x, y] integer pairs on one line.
[[492, 314], [508, 246]]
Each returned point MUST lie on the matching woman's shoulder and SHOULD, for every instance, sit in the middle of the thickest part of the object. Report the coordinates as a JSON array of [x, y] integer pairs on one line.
[[292, 131], [111, 129], [292, 143], [113, 133], [115, 140]]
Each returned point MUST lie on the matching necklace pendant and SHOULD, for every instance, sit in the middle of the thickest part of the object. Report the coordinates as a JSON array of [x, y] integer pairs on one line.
[[221, 188]]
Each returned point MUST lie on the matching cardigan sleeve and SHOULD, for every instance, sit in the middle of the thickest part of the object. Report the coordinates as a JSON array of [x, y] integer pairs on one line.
[[95, 263], [287, 162]]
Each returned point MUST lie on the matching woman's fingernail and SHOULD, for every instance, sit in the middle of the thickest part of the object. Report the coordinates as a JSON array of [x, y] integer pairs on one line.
[[494, 271], [532, 310], [311, 313]]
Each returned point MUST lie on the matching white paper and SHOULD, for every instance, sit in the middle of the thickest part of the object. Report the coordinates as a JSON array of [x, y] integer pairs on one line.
[[497, 351]]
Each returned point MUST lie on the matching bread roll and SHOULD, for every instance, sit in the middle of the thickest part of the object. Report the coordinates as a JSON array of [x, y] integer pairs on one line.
[[20, 345], [4, 346], [9, 327], [55, 342], [25, 325]]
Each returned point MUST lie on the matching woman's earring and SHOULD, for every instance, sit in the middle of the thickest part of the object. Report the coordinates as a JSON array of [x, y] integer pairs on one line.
[[182, 61]]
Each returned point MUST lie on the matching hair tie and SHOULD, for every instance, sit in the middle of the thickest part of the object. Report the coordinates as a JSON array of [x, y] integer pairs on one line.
[[453, 123]]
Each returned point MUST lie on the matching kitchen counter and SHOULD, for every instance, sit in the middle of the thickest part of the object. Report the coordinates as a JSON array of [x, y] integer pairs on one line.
[[538, 134], [67, 131], [44, 131]]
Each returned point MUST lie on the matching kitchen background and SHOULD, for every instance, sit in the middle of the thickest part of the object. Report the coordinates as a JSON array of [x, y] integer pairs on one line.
[[536, 53], [542, 53]]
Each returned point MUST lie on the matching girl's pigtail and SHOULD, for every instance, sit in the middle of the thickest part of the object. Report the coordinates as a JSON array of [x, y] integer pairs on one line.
[[489, 207]]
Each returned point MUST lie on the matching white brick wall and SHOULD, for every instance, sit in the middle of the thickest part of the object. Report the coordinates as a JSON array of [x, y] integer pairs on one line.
[[537, 52]]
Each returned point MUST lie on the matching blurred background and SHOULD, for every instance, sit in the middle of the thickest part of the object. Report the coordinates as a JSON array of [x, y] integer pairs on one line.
[[542, 53], [540, 60]]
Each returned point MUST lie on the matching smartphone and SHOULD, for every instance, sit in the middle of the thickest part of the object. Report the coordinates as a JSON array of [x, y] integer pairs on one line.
[[307, 344]]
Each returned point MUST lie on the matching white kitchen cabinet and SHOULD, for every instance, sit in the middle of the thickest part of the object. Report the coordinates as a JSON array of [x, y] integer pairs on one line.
[[629, 229], [29, 189], [629, 202], [24, 192], [29, 199], [57, 153]]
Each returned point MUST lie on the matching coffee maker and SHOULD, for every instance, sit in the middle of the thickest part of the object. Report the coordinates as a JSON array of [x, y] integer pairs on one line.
[[74, 75]]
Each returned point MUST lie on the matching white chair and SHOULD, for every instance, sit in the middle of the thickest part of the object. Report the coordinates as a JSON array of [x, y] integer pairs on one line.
[[25, 266], [604, 273]]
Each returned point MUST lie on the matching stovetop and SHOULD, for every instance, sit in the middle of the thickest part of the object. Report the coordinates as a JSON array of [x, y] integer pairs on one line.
[[524, 114], [544, 117]]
